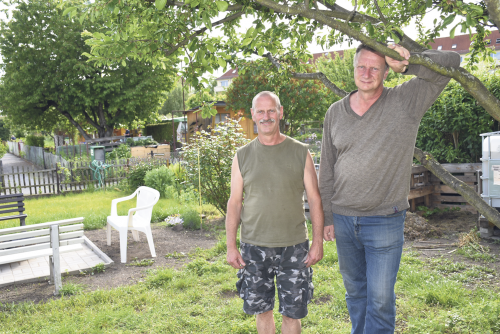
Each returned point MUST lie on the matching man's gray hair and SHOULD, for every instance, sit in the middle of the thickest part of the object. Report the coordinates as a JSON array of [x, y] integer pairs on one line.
[[270, 94], [367, 48]]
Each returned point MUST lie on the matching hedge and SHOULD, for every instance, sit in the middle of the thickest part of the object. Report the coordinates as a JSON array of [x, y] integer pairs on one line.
[[160, 131]]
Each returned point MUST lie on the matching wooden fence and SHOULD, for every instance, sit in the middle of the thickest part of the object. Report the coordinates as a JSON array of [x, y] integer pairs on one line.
[[72, 177], [426, 189]]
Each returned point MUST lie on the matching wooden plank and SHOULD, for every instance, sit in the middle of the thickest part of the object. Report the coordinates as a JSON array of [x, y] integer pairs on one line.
[[41, 232], [464, 178], [39, 226], [55, 259], [441, 188], [441, 198], [39, 240], [462, 168], [419, 192]]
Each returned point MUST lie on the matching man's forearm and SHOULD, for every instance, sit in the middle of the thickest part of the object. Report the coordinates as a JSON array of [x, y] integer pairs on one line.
[[317, 218], [232, 224]]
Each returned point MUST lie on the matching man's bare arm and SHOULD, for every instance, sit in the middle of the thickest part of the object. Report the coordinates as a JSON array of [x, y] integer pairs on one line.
[[233, 216], [316, 211]]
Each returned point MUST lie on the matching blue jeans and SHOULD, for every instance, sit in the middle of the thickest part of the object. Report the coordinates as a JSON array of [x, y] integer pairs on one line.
[[369, 251]]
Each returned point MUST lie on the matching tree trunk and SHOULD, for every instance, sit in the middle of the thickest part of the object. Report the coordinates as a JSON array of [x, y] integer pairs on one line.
[[460, 187]]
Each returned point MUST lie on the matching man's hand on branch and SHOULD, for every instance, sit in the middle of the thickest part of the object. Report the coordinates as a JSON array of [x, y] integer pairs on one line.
[[398, 66]]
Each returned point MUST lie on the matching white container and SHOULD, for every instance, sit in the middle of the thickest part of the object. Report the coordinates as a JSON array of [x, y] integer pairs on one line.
[[490, 161]]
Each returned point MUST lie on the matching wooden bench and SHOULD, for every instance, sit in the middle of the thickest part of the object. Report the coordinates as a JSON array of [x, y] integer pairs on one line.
[[13, 203], [39, 240]]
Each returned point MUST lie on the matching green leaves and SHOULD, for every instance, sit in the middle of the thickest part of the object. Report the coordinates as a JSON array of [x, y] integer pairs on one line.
[[68, 10], [222, 62], [160, 4], [221, 5]]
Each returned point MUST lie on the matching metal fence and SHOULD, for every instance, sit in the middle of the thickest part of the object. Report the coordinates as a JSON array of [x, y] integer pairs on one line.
[[36, 155]]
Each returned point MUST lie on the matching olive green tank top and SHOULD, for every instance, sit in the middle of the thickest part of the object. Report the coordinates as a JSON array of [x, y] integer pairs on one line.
[[273, 185]]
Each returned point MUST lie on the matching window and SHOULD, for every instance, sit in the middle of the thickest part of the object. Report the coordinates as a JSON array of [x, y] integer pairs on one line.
[[454, 46], [488, 41], [440, 47], [255, 129], [224, 83], [498, 40], [221, 118]]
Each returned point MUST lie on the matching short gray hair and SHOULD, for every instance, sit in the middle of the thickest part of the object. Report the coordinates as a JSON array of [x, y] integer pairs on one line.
[[270, 94], [367, 48]]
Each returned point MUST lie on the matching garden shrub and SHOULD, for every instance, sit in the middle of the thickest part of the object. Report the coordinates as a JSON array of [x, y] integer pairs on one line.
[[161, 179], [3, 149], [120, 152], [191, 219], [141, 142], [160, 131], [34, 140], [217, 150], [137, 174]]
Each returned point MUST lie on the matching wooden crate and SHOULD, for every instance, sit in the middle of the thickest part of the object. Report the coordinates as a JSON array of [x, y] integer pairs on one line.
[[162, 151]]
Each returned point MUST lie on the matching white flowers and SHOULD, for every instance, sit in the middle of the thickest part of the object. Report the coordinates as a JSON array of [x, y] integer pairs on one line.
[[174, 219]]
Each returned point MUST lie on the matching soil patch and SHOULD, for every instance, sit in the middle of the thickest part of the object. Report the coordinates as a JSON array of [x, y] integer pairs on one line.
[[172, 247]]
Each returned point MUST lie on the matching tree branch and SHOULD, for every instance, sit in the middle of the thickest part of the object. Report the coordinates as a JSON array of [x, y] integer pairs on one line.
[[459, 186], [471, 84], [75, 123], [201, 31], [310, 76], [493, 7]]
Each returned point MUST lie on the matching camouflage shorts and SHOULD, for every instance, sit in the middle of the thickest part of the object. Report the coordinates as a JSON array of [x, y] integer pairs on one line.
[[256, 281]]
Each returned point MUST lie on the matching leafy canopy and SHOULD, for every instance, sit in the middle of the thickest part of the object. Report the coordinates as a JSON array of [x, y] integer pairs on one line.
[[47, 79]]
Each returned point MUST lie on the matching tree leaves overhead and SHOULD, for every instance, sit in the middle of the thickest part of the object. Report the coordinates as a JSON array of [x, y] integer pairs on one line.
[[183, 31], [48, 79]]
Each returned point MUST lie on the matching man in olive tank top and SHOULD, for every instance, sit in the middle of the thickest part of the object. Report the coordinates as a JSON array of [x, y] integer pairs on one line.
[[268, 179]]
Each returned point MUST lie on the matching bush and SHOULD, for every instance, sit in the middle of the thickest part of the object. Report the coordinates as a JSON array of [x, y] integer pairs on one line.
[[141, 142], [160, 179], [137, 174], [160, 131], [217, 150], [34, 140], [3, 149], [121, 152], [191, 219]]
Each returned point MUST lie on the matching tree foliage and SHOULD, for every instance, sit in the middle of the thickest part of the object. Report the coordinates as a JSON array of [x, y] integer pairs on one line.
[[301, 100], [450, 129], [47, 79]]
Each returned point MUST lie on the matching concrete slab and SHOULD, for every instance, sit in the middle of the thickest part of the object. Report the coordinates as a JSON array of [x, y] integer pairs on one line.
[[37, 269]]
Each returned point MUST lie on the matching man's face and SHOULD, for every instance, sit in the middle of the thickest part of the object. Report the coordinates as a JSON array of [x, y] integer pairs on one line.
[[369, 71], [266, 116]]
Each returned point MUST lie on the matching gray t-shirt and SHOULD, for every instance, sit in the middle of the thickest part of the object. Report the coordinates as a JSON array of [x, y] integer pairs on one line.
[[273, 185], [366, 160]]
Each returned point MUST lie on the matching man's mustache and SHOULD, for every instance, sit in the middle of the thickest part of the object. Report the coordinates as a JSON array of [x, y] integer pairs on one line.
[[271, 120]]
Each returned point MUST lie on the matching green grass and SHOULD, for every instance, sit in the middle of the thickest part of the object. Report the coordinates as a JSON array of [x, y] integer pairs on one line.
[[94, 207], [432, 297], [201, 298]]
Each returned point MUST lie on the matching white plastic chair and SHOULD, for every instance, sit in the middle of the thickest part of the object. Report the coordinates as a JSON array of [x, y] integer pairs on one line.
[[141, 221]]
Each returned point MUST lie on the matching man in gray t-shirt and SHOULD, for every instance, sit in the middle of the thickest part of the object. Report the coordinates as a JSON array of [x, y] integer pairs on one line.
[[366, 158]]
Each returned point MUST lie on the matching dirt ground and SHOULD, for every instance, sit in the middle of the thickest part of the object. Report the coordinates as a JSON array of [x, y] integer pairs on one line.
[[434, 237]]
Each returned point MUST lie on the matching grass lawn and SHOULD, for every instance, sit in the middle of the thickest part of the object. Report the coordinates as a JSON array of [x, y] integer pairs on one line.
[[433, 296], [201, 298], [94, 207]]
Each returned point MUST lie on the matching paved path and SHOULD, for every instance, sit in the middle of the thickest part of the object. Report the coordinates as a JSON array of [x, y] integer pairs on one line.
[[10, 161], [38, 269]]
